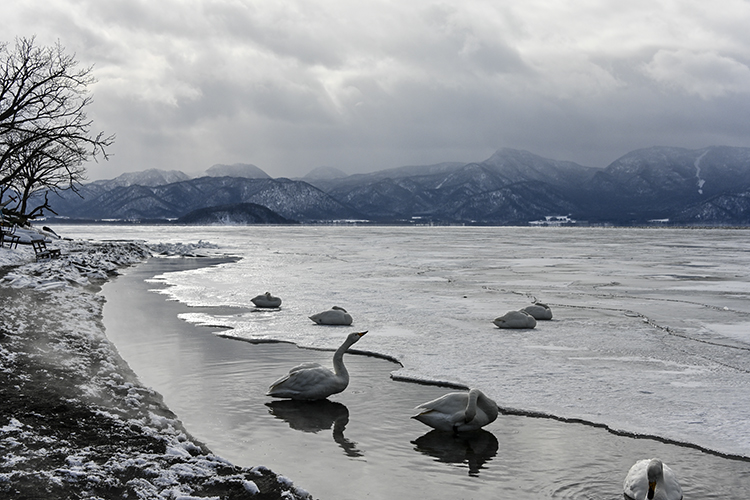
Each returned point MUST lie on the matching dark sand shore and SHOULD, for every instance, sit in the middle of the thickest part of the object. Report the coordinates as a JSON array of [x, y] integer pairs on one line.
[[74, 420]]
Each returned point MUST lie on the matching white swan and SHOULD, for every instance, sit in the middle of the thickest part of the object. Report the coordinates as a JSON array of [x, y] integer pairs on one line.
[[334, 316], [539, 311], [311, 381], [515, 319], [651, 479], [458, 411], [266, 300]]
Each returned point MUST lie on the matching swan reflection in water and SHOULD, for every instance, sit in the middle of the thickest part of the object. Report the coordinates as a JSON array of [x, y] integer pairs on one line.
[[473, 448], [315, 416]]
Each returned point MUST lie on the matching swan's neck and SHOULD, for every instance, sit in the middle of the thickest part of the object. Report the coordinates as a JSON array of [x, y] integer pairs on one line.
[[338, 359], [655, 474], [471, 406]]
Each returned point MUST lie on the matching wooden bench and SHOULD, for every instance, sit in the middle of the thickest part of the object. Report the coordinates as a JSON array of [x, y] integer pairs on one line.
[[42, 252], [6, 234]]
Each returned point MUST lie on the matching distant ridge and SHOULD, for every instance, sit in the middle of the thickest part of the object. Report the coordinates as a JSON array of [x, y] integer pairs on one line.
[[236, 214], [708, 186], [325, 173], [150, 177], [245, 170], [293, 200]]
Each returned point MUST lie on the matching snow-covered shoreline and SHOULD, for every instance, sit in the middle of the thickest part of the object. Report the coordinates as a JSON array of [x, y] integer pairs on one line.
[[76, 421]]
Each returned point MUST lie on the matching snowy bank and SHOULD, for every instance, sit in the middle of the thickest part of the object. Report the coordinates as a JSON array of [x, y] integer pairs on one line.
[[75, 421]]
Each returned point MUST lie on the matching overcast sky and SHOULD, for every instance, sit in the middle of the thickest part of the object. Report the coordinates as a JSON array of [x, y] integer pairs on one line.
[[371, 84]]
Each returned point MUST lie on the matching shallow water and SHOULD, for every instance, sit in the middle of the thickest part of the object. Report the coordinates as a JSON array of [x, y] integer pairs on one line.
[[362, 443]]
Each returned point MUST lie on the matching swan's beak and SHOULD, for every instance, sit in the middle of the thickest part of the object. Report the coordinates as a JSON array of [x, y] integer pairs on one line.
[[651, 488], [362, 333]]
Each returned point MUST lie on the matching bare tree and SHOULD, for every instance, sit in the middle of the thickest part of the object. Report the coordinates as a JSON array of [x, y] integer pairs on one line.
[[45, 135]]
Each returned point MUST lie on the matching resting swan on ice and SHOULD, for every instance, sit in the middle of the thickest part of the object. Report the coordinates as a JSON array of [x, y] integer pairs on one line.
[[458, 411], [334, 316], [266, 300], [539, 311], [311, 381], [515, 319]]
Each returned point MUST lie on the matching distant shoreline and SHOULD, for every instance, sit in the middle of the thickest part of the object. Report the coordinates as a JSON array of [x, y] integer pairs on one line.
[[410, 223]]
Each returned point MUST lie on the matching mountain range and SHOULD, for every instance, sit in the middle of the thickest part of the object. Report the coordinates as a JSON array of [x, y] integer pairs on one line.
[[709, 186]]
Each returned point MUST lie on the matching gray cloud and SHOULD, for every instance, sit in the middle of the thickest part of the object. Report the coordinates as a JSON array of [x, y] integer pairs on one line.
[[292, 85]]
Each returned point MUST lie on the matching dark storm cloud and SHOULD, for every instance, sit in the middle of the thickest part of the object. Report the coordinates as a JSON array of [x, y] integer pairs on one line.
[[292, 85]]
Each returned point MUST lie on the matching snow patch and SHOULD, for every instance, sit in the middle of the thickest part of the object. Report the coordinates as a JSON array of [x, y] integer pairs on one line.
[[697, 164]]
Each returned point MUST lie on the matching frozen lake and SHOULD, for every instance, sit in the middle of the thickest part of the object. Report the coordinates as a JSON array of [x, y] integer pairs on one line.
[[362, 443], [651, 328]]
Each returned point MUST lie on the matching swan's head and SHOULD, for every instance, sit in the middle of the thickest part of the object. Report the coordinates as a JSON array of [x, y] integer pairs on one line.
[[353, 337], [654, 472]]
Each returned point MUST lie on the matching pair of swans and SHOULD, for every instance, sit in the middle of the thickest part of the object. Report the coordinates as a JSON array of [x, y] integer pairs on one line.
[[524, 318], [456, 411]]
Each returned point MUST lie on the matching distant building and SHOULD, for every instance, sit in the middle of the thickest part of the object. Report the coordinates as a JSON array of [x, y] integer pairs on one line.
[[553, 220]]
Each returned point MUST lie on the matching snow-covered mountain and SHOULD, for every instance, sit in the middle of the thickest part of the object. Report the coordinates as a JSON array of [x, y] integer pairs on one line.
[[661, 182], [701, 186], [150, 177], [510, 187], [291, 199]]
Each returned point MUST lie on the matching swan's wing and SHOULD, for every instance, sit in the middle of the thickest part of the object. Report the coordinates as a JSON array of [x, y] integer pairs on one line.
[[671, 486], [314, 382], [302, 375], [304, 366], [635, 485], [301, 366], [449, 404], [443, 413]]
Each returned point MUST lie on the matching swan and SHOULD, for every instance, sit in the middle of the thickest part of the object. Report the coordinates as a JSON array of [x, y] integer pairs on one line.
[[515, 319], [539, 311], [334, 316], [458, 411], [266, 300], [651, 479], [311, 381]]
